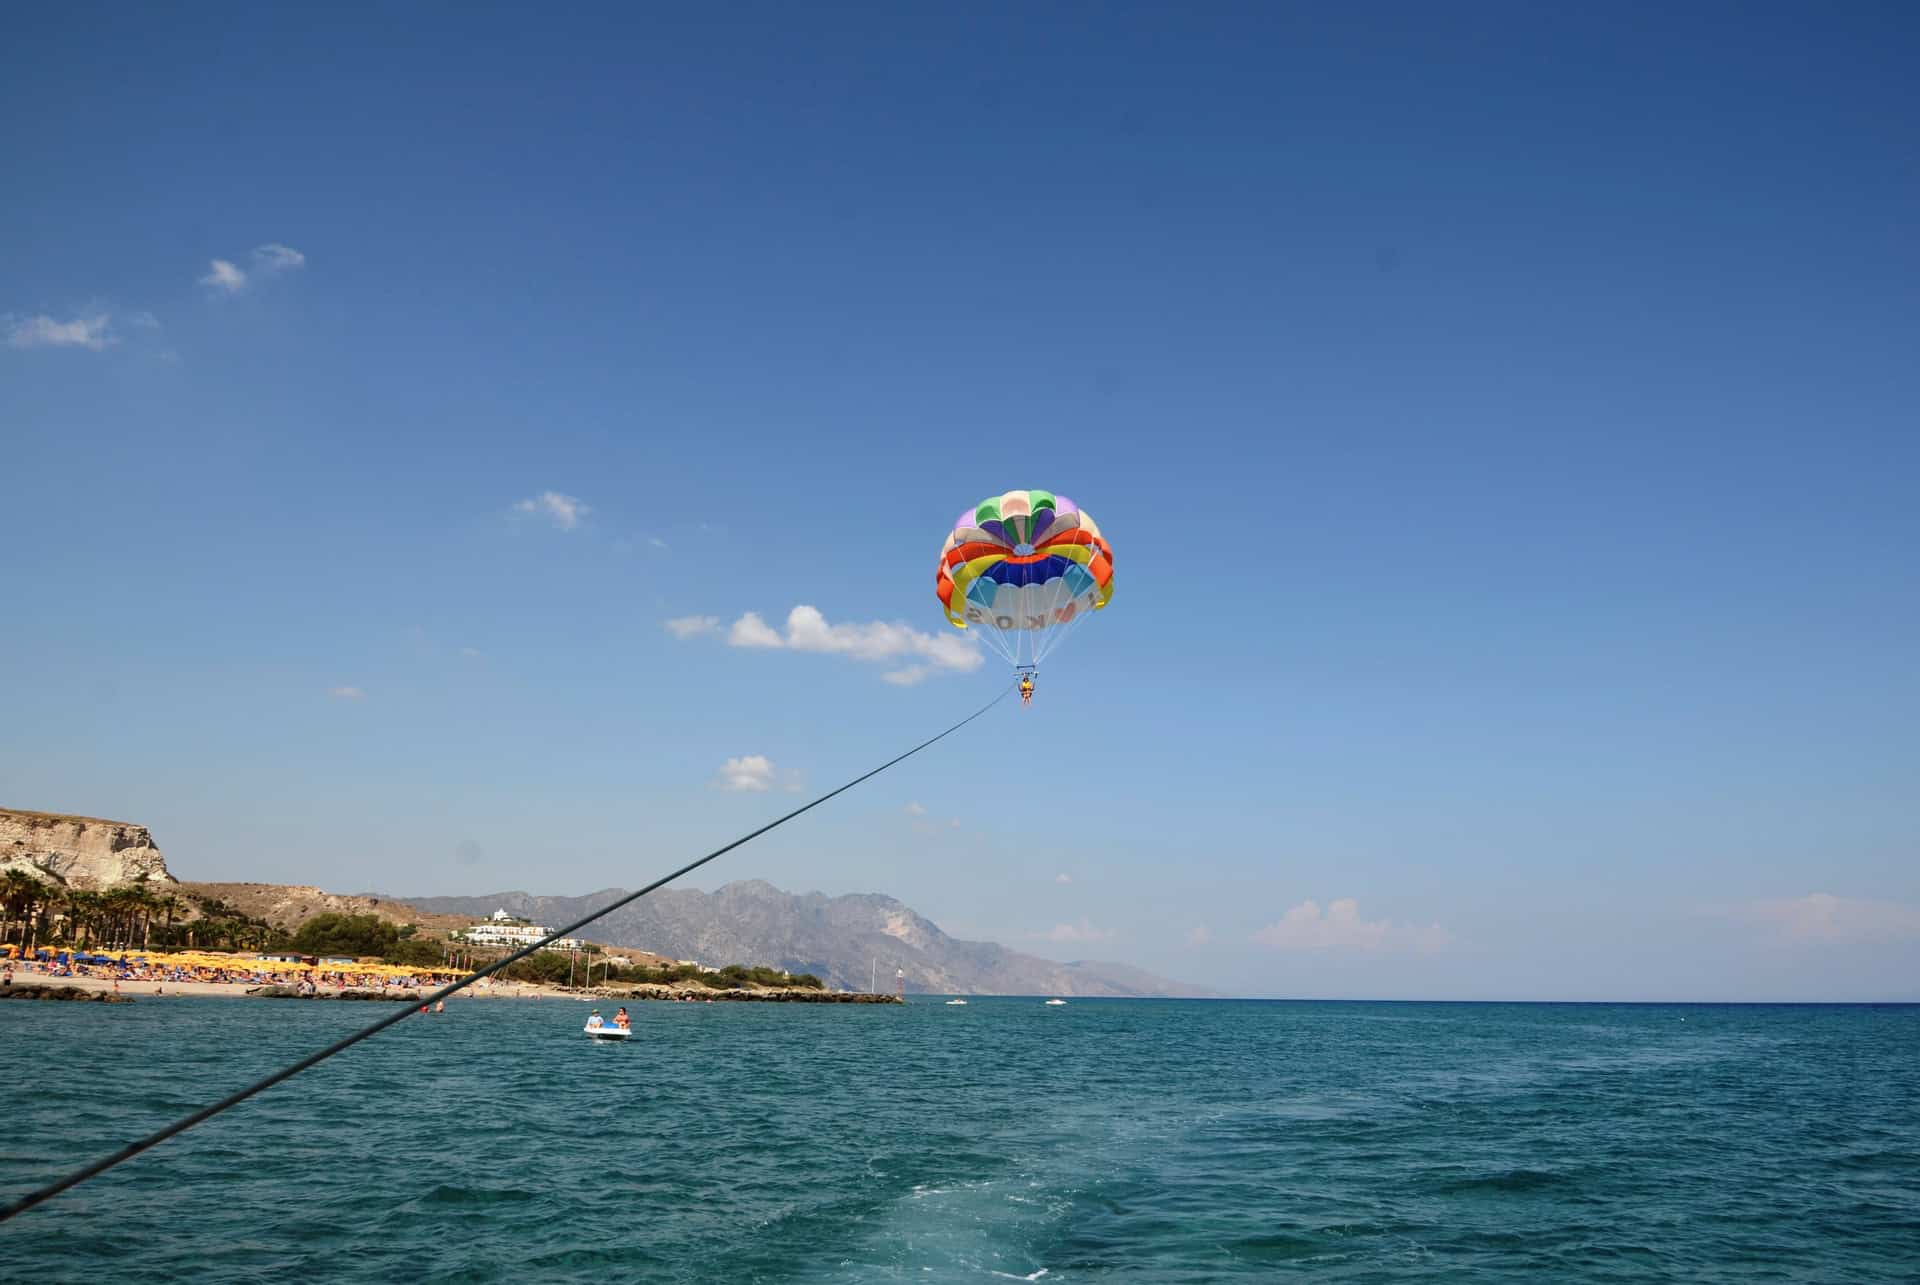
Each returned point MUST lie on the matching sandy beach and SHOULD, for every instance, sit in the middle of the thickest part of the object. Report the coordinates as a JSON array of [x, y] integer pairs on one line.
[[489, 989], [239, 990]]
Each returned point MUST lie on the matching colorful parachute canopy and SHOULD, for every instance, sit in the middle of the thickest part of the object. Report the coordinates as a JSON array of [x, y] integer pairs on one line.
[[1024, 567]]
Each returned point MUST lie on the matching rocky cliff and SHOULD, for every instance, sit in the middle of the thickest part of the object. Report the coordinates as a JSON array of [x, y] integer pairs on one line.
[[80, 852]]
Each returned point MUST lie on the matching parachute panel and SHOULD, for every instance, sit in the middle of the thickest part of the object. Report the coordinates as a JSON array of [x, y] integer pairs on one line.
[[1023, 568]]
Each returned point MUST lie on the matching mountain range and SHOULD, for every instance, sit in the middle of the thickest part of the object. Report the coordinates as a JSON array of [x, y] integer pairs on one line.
[[843, 940]]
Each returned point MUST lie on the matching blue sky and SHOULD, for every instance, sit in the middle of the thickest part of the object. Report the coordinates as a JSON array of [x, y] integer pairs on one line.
[[1504, 421]]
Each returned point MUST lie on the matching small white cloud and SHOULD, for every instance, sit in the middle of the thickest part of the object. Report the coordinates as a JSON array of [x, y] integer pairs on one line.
[[273, 258], [808, 630], [143, 321], [1200, 935], [93, 333], [693, 626], [223, 275], [750, 772], [1821, 916], [1063, 877], [270, 260], [347, 694], [874, 641], [751, 631], [953, 823], [565, 511], [1080, 932], [1339, 927], [656, 542], [470, 651], [916, 809]]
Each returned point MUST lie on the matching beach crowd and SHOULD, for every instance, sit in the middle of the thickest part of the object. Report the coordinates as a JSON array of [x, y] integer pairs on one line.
[[235, 971]]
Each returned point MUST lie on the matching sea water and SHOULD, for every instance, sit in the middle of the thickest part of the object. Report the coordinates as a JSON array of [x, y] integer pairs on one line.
[[1103, 1140]]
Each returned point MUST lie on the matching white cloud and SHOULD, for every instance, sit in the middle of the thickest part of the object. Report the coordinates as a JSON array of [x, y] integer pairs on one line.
[[1340, 927], [268, 260], [143, 320], [274, 257], [1200, 935], [874, 641], [1821, 916], [808, 630], [1063, 878], [750, 772], [689, 626], [1080, 932], [223, 275], [469, 651], [757, 773], [94, 333], [347, 694], [656, 542], [751, 631], [564, 510], [916, 809]]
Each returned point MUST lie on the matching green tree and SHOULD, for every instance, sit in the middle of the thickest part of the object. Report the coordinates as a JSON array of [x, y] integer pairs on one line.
[[337, 934], [22, 896]]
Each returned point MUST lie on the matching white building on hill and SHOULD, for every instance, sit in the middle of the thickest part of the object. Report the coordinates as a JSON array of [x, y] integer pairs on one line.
[[502, 929]]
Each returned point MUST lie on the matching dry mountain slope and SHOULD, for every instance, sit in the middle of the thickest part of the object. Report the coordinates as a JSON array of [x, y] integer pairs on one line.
[[290, 905], [835, 938]]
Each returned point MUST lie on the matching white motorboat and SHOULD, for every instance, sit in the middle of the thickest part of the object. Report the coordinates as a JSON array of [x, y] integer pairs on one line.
[[1056, 1003], [962, 1003], [607, 1031]]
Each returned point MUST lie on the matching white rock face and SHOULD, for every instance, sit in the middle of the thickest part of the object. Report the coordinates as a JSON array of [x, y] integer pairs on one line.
[[80, 852]]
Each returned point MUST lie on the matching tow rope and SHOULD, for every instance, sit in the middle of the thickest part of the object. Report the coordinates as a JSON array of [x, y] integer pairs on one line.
[[205, 1113]]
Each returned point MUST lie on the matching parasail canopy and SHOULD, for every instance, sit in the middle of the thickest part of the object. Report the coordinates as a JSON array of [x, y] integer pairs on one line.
[[1024, 568]]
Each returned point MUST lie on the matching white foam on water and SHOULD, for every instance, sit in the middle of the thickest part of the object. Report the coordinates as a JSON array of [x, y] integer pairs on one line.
[[983, 1228]]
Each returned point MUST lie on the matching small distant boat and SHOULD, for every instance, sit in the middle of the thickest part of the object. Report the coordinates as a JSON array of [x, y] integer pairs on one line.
[[1056, 1003], [952, 1002], [607, 1031]]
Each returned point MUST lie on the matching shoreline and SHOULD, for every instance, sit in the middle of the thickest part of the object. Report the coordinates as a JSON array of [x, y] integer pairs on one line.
[[659, 992], [245, 990]]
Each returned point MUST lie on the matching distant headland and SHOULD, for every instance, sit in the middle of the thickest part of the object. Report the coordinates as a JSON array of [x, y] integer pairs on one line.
[[91, 884]]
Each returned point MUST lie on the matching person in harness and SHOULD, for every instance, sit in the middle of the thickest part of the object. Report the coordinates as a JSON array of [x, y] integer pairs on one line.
[[1026, 689]]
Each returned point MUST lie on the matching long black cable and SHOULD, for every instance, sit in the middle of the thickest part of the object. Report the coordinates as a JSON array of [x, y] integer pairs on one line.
[[181, 1125]]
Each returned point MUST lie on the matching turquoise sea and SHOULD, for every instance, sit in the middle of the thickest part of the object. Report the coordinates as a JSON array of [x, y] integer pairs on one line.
[[1106, 1140]]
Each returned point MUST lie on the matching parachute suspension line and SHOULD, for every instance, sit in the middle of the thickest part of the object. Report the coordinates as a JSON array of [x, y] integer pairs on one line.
[[1048, 639], [1055, 634], [186, 1122]]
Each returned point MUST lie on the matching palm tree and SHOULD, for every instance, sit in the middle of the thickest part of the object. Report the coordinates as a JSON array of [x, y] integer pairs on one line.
[[45, 896], [113, 913], [143, 901], [19, 891], [169, 905], [85, 910], [73, 911]]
